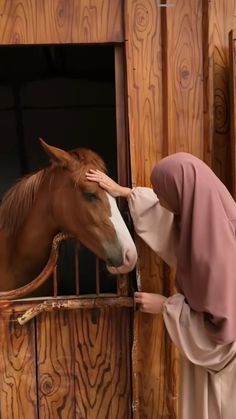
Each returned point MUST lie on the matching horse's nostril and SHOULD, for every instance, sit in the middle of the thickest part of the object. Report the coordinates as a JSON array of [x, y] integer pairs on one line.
[[109, 262], [114, 257], [115, 262]]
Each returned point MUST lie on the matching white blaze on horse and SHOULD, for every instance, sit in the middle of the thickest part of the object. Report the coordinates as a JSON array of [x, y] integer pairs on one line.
[[60, 199]]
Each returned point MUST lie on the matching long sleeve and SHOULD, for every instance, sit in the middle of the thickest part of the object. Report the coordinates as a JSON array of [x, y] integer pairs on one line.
[[153, 223], [187, 330]]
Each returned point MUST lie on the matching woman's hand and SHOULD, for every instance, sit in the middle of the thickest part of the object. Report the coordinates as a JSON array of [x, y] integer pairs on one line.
[[149, 303], [107, 183]]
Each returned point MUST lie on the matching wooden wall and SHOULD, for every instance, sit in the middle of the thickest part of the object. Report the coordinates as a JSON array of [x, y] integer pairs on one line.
[[56, 21], [178, 96], [177, 66]]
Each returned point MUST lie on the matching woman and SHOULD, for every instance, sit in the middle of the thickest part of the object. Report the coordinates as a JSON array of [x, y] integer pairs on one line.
[[195, 218]]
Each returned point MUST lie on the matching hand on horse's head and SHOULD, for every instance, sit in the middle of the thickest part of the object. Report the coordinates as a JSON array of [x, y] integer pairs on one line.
[[113, 188]]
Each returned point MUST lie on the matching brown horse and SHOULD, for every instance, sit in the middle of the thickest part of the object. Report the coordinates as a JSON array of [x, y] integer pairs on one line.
[[60, 199]]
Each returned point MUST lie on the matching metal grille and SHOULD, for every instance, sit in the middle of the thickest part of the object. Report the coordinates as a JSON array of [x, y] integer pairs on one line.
[[78, 272]]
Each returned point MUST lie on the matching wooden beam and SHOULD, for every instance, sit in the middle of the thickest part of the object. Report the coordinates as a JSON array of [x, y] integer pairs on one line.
[[53, 22]]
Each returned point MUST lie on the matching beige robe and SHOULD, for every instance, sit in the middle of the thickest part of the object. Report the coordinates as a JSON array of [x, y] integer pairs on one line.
[[208, 370]]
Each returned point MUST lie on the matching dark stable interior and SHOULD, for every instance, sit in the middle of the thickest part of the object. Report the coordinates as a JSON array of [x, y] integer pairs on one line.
[[65, 95]]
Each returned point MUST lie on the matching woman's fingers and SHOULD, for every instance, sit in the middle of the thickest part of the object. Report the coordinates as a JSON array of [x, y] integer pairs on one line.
[[138, 298], [149, 302], [97, 176], [105, 182], [95, 171]]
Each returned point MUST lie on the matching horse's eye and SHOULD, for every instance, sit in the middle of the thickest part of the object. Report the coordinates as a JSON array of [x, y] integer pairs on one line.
[[91, 196]]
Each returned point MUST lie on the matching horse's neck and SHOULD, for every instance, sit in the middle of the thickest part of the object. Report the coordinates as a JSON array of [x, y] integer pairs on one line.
[[23, 256]]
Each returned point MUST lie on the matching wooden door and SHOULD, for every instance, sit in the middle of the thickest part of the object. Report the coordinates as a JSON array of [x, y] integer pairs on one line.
[[67, 364]]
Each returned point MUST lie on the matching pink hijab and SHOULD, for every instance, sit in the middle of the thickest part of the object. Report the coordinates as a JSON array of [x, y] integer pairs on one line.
[[206, 251]]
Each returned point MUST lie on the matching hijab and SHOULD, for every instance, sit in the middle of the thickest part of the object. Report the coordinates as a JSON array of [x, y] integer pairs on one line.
[[206, 249]]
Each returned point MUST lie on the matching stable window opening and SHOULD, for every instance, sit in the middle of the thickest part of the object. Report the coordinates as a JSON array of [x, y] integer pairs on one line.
[[71, 96]]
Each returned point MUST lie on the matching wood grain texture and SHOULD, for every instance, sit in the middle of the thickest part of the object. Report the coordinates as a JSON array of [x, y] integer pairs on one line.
[[178, 100], [223, 17], [123, 159], [18, 397], [84, 364], [102, 364], [55, 360], [183, 76], [59, 21], [193, 116], [208, 81], [156, 360], [152, 351], [143, 54]]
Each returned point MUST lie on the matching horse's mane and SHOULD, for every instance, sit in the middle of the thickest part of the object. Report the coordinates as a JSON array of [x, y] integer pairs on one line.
[[19, 200]]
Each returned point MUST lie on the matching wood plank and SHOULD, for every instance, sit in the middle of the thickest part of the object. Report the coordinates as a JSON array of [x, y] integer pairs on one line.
[[208, 80], [102, 370], [183, 98], [79, 303], [223, 16], [156, 363], [144, 78], [154, 396], [55, 358], [232, 59], [53, 22], [18, 397], [154, 390], [123, 158]]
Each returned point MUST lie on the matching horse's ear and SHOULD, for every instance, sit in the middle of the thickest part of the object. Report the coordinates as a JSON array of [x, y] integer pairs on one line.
[[57, 155]]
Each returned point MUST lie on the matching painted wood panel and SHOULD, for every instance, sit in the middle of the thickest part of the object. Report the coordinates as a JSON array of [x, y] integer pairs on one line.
[[18, 397], [56, 21]]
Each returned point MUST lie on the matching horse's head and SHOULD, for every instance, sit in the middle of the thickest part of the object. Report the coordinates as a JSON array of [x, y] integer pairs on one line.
[[84, 210]]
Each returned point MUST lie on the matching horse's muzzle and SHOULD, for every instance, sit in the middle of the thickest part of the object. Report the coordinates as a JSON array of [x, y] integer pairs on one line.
[[114, 256], [122, 262]]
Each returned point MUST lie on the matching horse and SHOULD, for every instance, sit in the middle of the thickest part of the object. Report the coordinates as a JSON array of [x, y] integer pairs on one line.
[[56, 199]]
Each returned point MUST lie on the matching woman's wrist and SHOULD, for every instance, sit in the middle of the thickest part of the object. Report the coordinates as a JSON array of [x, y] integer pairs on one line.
[[124, 191]]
